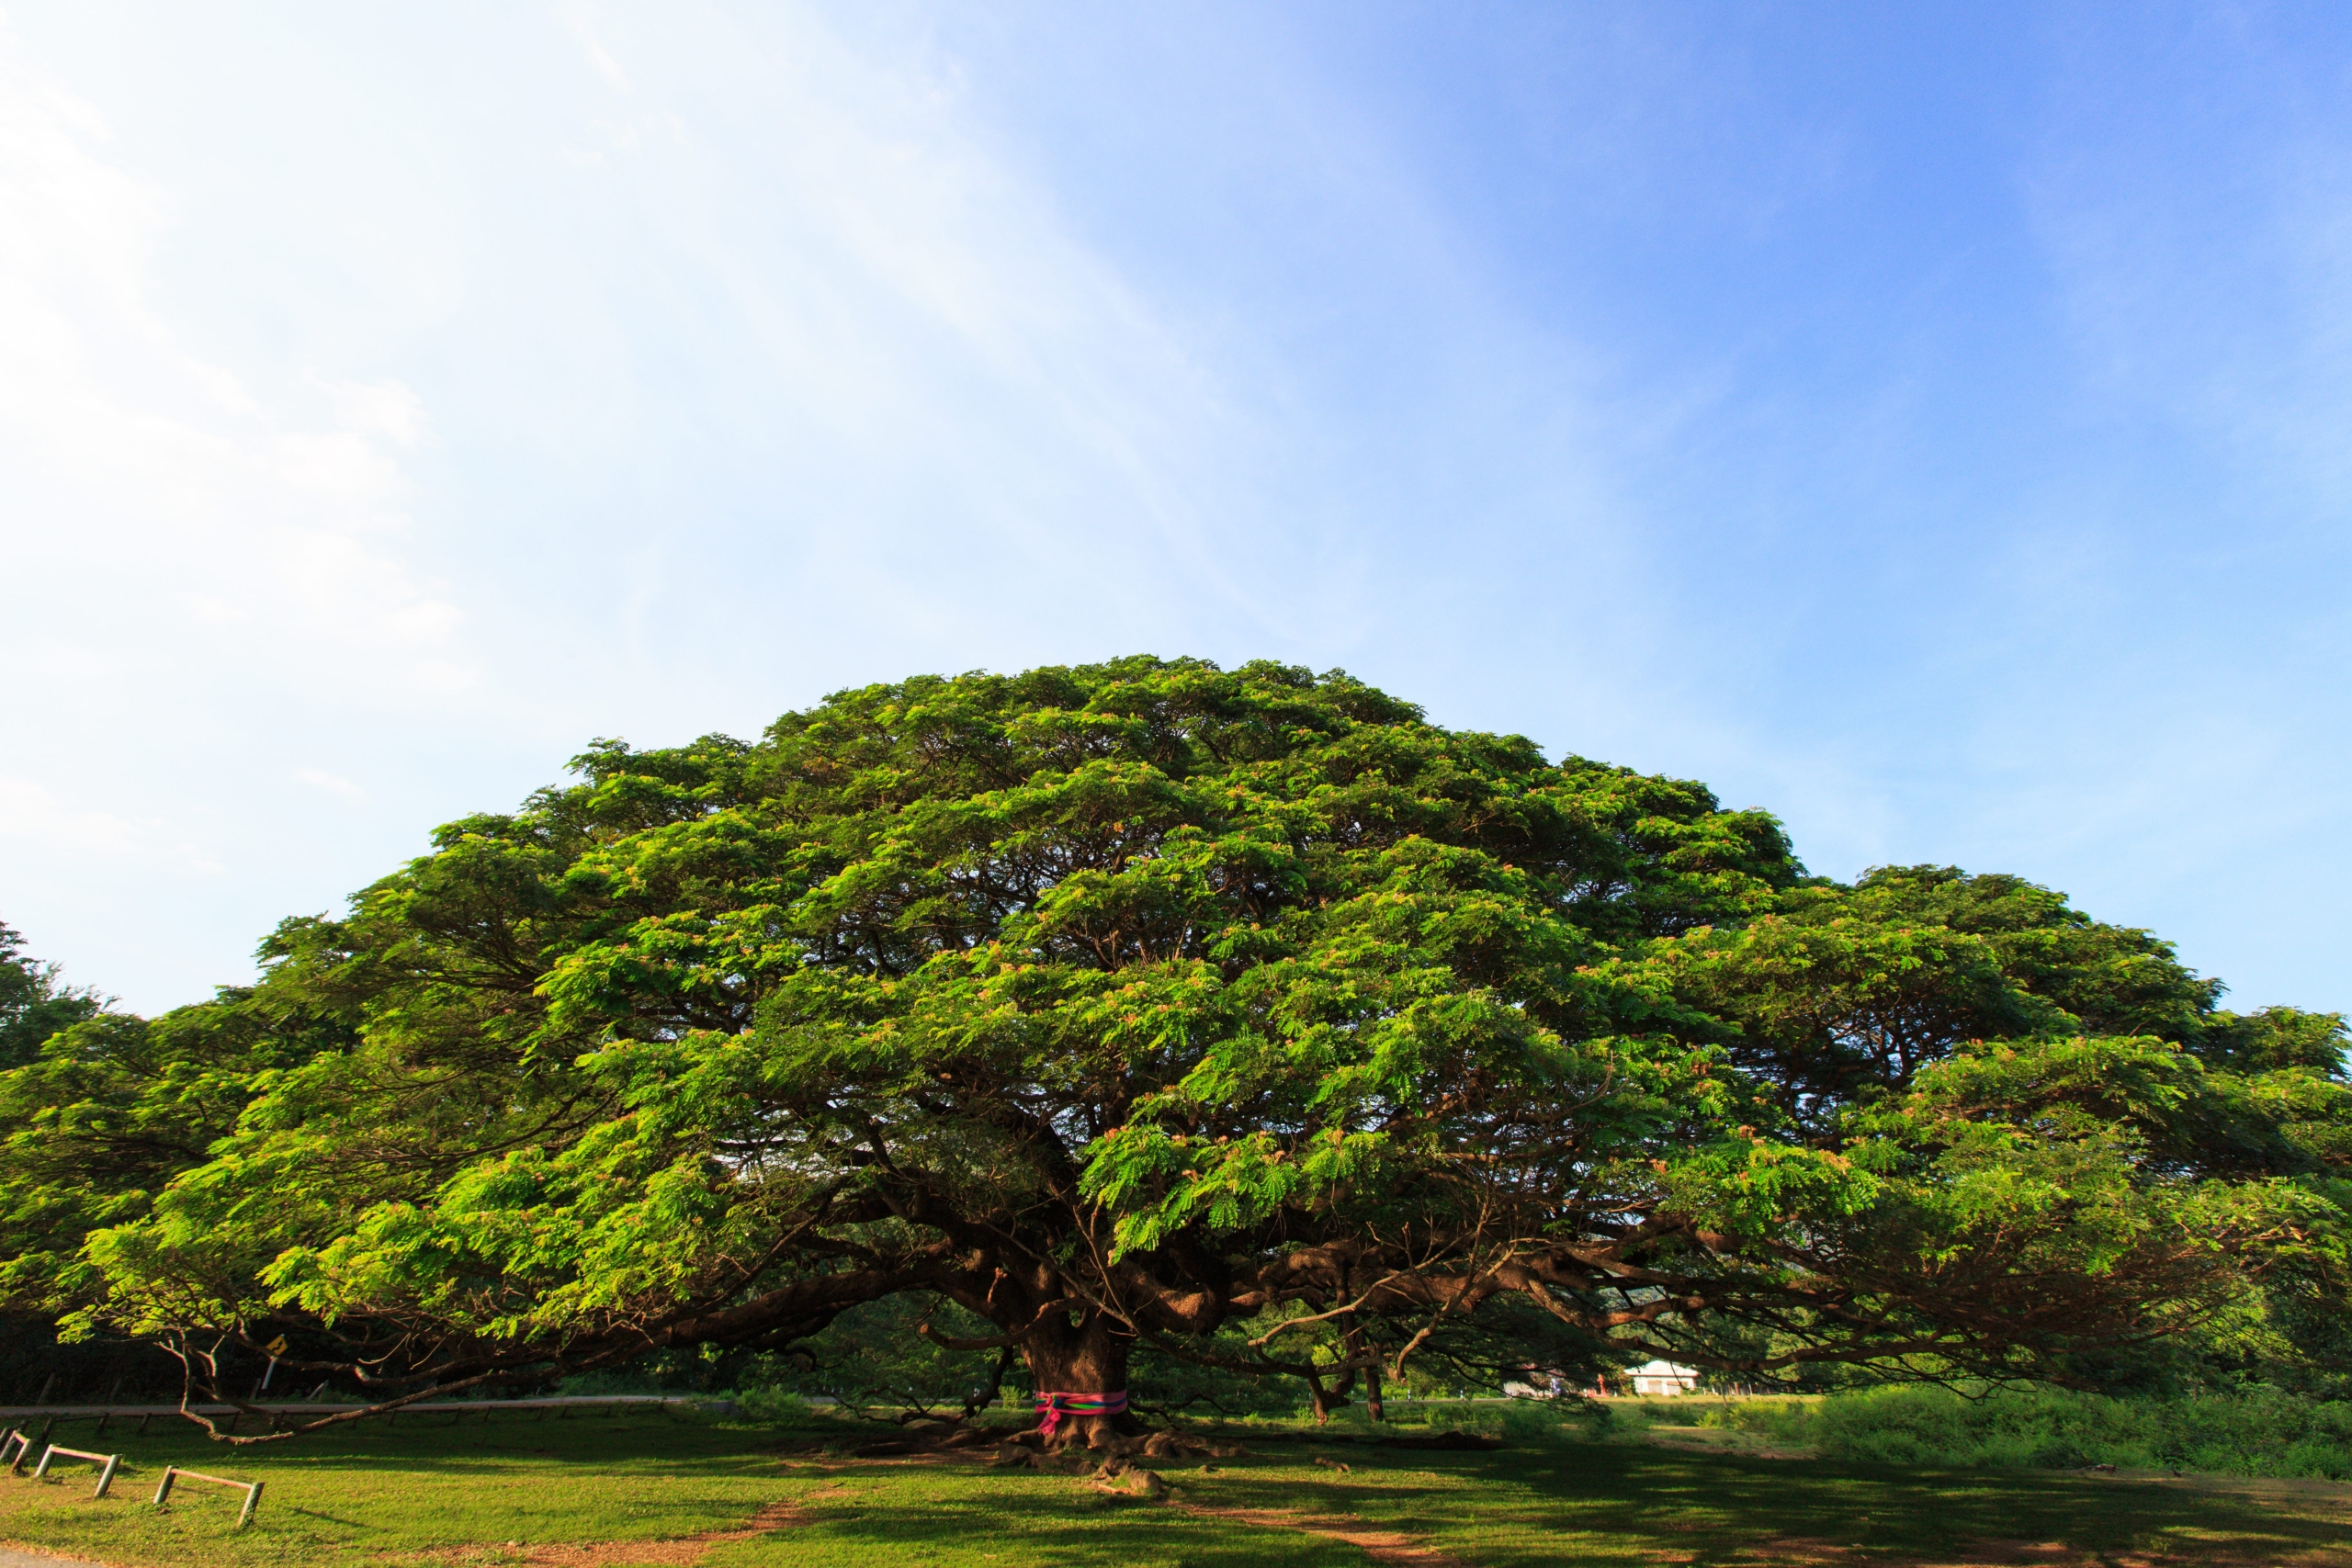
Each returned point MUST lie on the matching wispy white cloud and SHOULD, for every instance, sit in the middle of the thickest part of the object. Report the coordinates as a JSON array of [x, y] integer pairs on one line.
[[375, 410], [792, 380], [134, 460], [333, 784], [31, 812]]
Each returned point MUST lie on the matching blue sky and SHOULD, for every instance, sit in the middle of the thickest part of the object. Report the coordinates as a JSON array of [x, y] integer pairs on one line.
[[1927, 422]]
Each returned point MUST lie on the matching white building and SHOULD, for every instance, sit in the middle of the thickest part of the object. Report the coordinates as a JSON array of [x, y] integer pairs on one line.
[[1663, 1378]]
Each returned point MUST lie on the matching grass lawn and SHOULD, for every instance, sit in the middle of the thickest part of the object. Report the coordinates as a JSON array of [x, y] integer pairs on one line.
[[673, 1490]]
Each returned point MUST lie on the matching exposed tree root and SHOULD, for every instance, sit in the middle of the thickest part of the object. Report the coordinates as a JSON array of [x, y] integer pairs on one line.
[[1449, 1442], [936, 1439], [1026, 1450]]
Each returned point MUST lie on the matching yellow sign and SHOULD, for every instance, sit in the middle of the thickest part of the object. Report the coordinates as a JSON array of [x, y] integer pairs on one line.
[[277, 1347]]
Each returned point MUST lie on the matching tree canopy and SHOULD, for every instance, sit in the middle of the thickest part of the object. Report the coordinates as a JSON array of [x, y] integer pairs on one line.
[[35, 1003], [1244, 1016]]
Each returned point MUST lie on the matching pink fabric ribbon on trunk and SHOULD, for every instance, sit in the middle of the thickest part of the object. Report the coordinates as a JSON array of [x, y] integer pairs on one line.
[[1054, 1407]]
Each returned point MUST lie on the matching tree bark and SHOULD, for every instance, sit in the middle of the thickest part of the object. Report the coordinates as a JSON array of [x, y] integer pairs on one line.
[[1087, 1357]]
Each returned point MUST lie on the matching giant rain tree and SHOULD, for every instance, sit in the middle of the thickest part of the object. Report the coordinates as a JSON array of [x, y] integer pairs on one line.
[[1241, 1015]]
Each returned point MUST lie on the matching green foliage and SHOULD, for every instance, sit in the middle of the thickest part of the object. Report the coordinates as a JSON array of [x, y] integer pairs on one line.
[[2243, 1434], [1240, 1020], [872, 1358], [113, 1110], [1519, 1422], [34, 1002]]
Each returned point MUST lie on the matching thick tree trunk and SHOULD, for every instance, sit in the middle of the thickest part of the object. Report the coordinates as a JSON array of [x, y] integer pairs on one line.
[[1087, 1359]]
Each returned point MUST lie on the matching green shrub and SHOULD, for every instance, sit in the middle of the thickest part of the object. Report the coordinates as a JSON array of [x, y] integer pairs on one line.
[[773, 1405], [1515, 1421], [1781, 1421], [2244, 1434]]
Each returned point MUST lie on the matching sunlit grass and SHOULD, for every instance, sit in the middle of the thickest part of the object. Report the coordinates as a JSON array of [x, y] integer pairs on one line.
[[458, 1494]]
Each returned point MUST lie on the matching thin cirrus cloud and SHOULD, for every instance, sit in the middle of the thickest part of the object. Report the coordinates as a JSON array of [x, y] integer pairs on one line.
[[192, 553], [31, 818], [333, 784], [638, 455], [137, 463], [1865, 412]]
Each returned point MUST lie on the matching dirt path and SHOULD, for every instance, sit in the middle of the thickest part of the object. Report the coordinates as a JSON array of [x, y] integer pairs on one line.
[[674, 1552], [1380, 1545], [18, 1557], [680, 1550], [1383, 1546]]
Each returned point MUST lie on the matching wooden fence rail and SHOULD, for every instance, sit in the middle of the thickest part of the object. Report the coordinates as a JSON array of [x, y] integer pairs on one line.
[[253, 1489], [109, 1464]]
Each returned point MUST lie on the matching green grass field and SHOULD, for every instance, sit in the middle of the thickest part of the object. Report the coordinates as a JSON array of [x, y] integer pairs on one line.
[[674, 1490]]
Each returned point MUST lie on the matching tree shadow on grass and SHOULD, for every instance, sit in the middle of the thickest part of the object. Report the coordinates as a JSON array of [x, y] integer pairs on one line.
[[470, 1448], [1590, 1504], [1635, 1505], [1033, 1522]]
